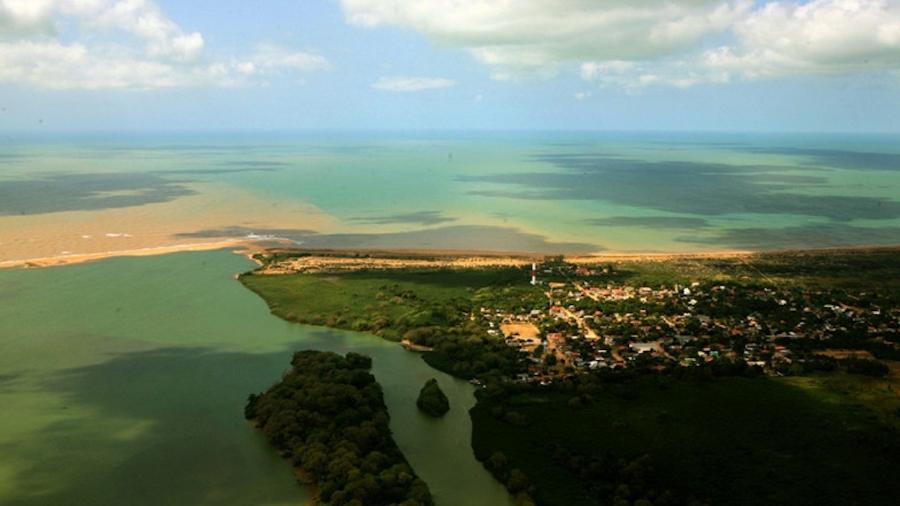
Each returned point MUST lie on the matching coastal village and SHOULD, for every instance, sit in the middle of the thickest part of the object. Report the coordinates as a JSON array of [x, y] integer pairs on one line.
[[588, 323]]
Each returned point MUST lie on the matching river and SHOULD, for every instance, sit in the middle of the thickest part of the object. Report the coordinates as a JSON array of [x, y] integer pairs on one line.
[[123, 382]]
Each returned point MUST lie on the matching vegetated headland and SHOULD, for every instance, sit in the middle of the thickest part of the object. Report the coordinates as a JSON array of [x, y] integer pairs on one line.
[[721, 379]]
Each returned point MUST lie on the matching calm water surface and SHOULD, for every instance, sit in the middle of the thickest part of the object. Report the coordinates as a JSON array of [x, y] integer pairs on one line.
[[123, 382]]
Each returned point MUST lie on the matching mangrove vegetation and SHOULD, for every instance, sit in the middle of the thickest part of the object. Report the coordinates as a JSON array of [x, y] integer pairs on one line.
[[327, 415]]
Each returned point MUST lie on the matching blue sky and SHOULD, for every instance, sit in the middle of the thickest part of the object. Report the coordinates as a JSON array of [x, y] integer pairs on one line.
[[144, 65]]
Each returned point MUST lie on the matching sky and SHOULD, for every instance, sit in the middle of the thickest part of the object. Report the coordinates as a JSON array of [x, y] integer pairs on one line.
[[266, 65]]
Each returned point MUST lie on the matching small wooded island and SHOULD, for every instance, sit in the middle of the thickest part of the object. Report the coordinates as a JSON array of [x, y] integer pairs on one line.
[[328, 416], [432, 401]]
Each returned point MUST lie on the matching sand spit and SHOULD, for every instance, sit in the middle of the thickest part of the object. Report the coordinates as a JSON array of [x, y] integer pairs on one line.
[[88, 257]]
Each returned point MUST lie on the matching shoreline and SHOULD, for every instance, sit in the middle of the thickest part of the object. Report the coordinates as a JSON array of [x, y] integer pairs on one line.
[[306, 479], [402, 257], [303, 477]]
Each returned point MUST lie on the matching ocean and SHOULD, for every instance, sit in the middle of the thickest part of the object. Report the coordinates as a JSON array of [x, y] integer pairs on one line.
[[538, 192]]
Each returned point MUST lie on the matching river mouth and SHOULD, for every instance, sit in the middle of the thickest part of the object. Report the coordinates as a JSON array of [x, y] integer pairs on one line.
[[126, 379]]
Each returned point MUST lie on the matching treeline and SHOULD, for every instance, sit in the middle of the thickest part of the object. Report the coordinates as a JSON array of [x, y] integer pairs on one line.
[[620, 482], [516, 481], [475, 356], [328, 417], [852, 365], [624, 383], [853, 338], [606, 479]]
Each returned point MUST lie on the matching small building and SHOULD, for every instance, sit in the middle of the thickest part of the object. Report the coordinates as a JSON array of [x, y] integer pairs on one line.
[[643, 347]]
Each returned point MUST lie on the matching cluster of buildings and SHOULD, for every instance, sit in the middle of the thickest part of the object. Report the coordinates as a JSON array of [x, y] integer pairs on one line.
[[591, 326]]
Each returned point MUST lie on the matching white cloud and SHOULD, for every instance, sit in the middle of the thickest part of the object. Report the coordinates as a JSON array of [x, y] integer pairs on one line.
[[140, 18], [582, 95], [57, 66], [25, 16], [638, 43], [121, 44], [269, 56], [143, 19], [821, 37], [636, 76], [411, 84], [818, 37], [536, 36]]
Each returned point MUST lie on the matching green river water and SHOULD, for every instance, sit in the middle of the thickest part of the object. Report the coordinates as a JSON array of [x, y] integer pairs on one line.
[[123, 382]]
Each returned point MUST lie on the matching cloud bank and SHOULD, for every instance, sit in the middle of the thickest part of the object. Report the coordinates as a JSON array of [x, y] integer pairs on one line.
[[120, 44], [630, 44], [638, 43]]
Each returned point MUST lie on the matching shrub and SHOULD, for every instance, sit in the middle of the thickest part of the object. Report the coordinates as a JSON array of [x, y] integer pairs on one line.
[[432, 400]]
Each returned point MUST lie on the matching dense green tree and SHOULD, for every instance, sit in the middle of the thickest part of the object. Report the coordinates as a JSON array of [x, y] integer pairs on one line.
[[327, 415], [432, 400]]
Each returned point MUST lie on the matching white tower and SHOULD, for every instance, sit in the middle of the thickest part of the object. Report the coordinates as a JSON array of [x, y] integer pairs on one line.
[[533, 273]]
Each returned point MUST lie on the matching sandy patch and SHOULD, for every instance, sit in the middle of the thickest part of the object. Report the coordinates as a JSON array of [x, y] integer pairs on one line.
[[524, 330], [524, 334]]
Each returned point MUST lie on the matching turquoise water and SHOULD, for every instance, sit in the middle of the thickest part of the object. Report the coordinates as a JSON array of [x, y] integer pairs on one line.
[[571, 192], [123, 382]]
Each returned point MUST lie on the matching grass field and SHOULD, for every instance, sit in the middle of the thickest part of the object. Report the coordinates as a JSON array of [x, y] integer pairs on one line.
[[386, 303], [881, 396], [733, 441]]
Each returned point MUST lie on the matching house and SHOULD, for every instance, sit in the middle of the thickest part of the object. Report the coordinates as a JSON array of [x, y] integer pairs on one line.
[[643, 347]]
